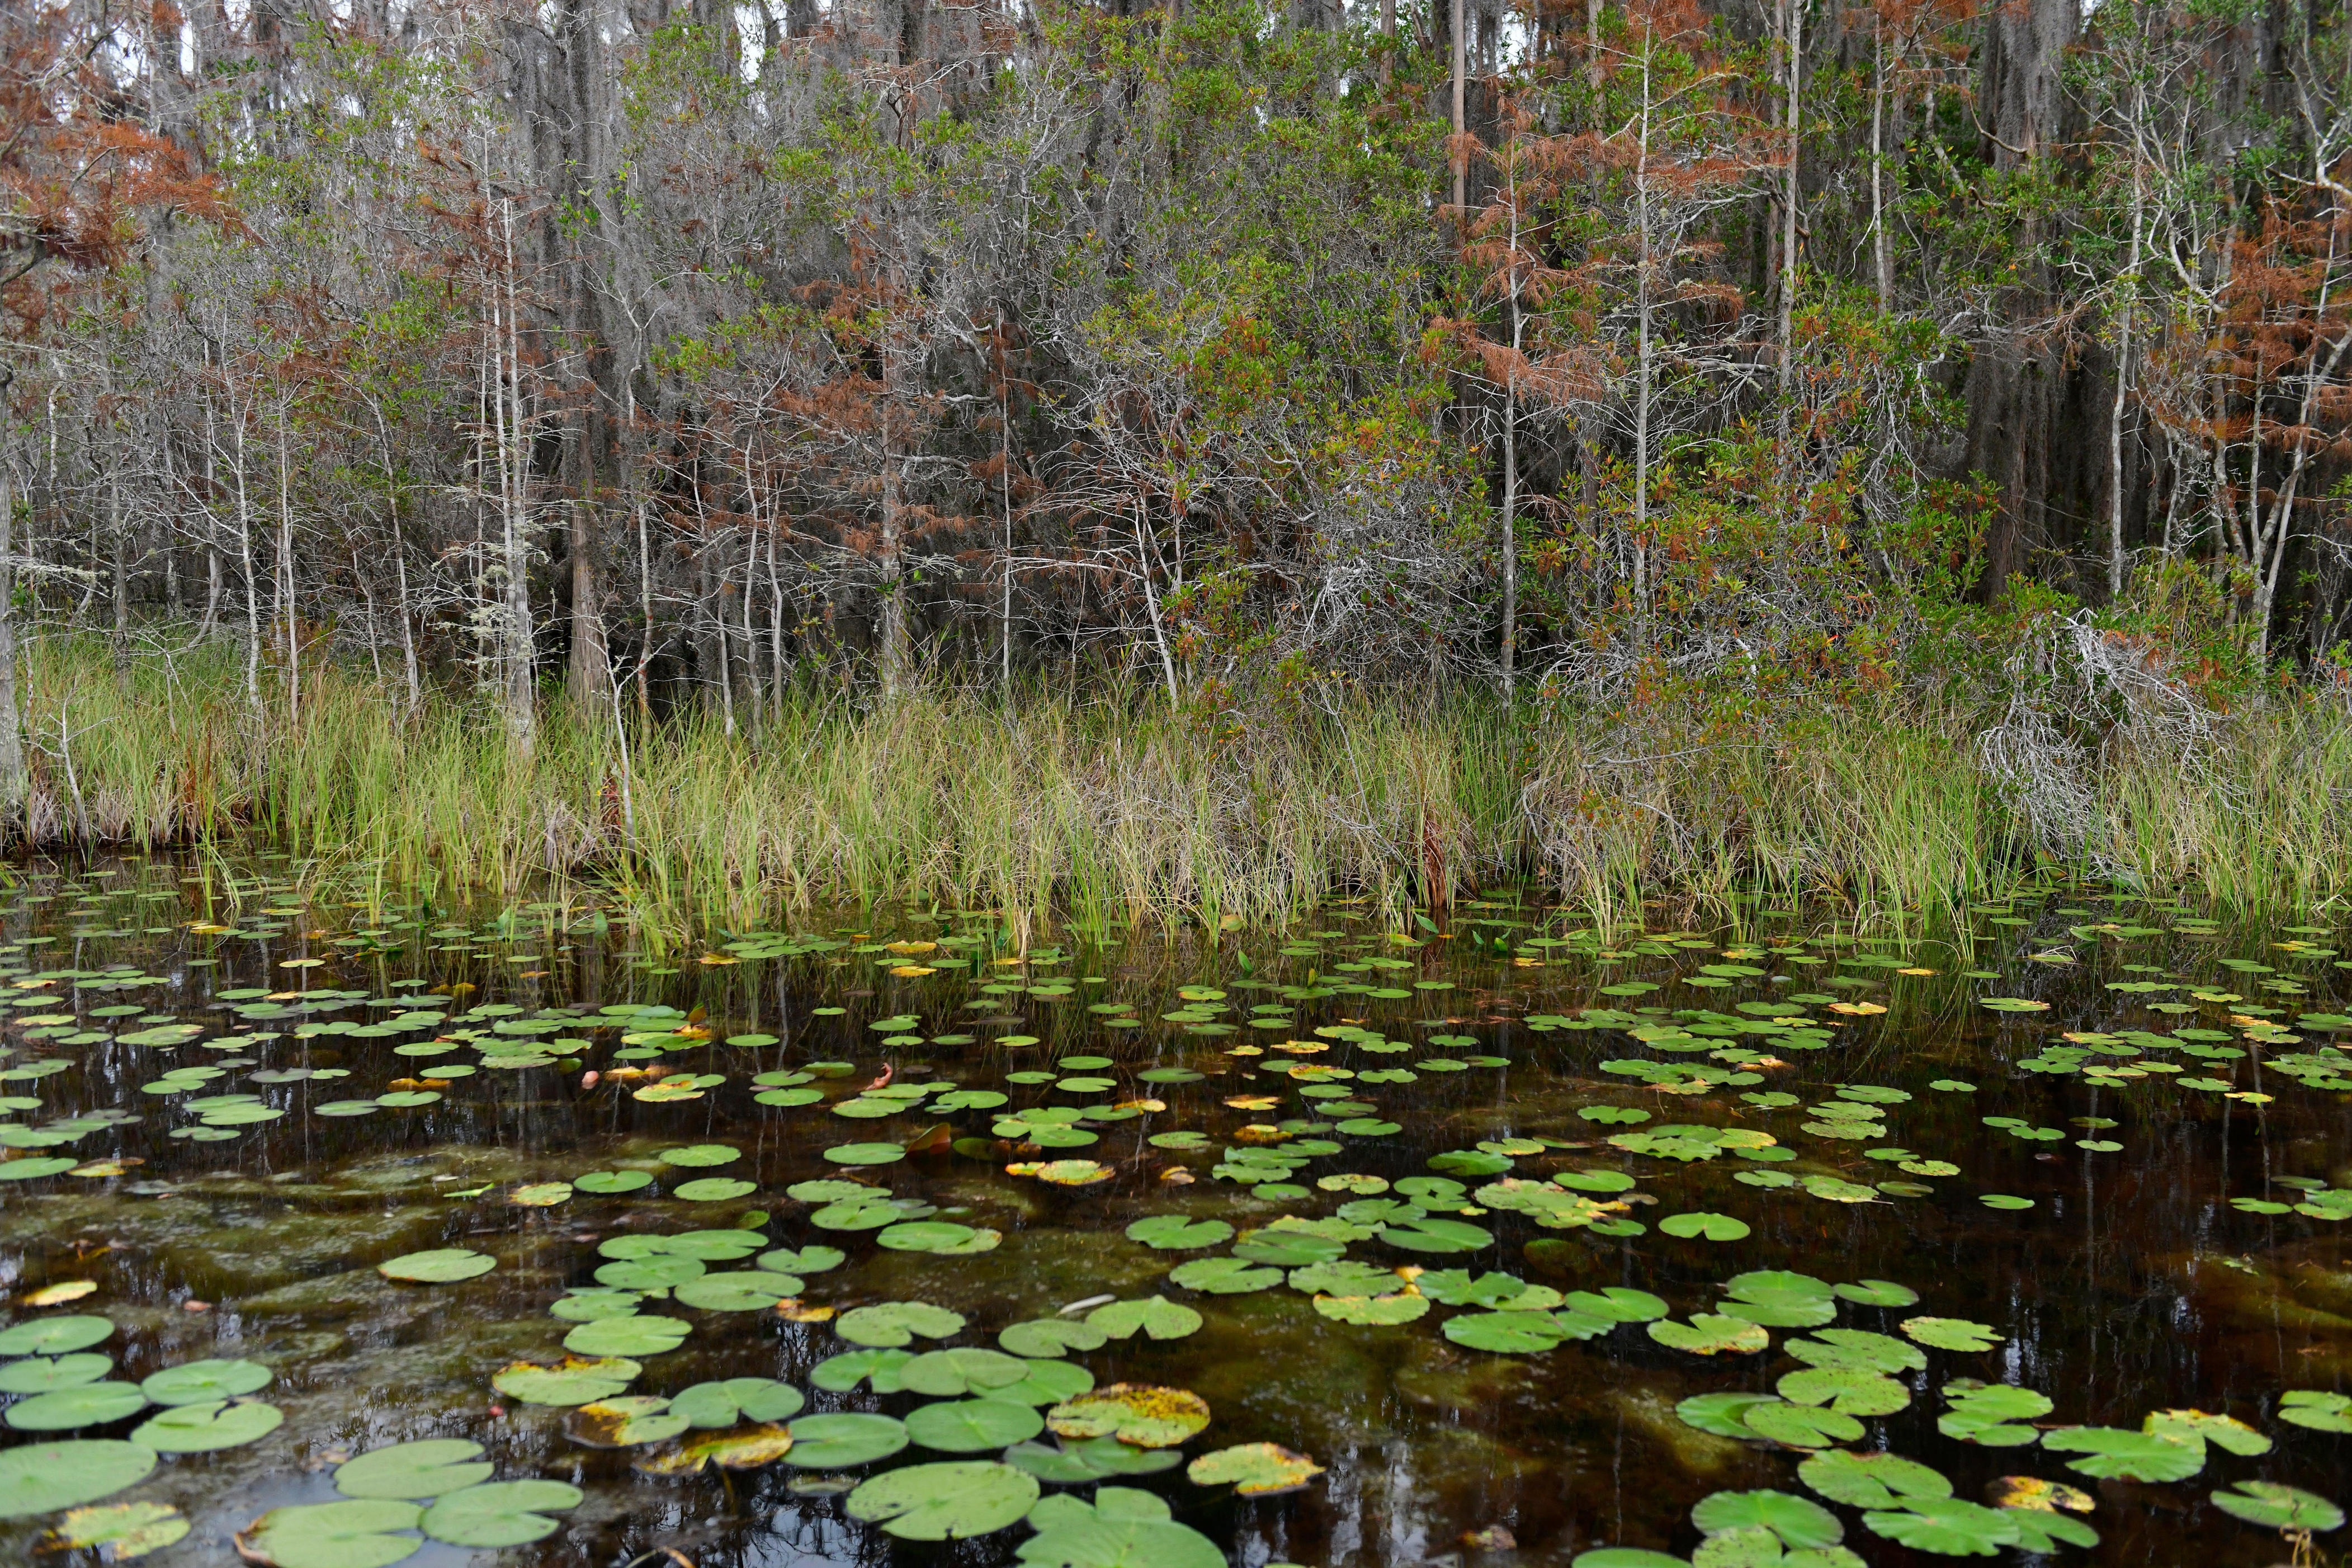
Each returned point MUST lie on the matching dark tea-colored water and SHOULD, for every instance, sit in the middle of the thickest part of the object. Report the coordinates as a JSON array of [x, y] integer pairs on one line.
[[1468, 1212]]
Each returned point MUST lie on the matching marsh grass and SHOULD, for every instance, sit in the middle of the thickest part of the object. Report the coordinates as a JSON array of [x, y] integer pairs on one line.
[[1111, 808]]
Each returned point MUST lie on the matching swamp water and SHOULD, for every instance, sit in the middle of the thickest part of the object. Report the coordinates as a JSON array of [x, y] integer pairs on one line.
[[1773, 1243]]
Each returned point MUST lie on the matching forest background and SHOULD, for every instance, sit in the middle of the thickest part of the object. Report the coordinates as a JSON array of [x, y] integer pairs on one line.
[[1199, 459]]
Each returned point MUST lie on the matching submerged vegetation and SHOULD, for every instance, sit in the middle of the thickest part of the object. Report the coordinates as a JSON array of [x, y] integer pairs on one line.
[[1111, 804]]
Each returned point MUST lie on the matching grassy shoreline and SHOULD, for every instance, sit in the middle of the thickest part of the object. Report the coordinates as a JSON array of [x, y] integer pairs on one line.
[[1108, 808]]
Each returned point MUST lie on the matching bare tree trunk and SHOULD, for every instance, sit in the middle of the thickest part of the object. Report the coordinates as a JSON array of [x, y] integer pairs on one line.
[[1461, 157], [12, 739], [252, 587], [1795, 34], [286, 573], [1883, 268], [2123, 388], [399, 566], [521, 723]]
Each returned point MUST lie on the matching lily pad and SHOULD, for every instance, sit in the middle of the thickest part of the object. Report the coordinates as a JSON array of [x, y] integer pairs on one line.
[[1950, 1526], [2277, 1507], [442, 1266], [1951, 1334], [500, 1513], [1154, 1317], [973, 1426], [42, 1477], [725, 1402], [574, 1380], [40, 1375], [1046, 1338], [202, 1429], [1146, 1416], [1709, 1334], [893, 1323], [424, 1468], [635, 1335], [836, 1441], [123, 1531], [1254, 1469], [1176, 1233], [54, 1336], [1797, 1521], [85, 1404], [1704, 1227], [949, 1501], [357, 1534], [1872, 1480], [200, 1382], [2110, 1451]]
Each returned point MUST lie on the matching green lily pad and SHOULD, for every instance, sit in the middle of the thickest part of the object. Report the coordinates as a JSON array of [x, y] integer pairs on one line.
[[201, 1382], [1797, 1521], [637, 1335], [1176, 1233], [840, 1374], [1372, 1312], [2110, 1451], [500, 1513], [864, 1154], [1107, 1538], [729, 1400], [893, 1323], [362, 1533], [202, 1429], [85, 1404], [1704, 1227], [947, 1374], [1091, 1460], [714, 1190], [737, 1291], [1049, 1337], [1154, 1317], [1877, 1293], [1720, 1414], [700, 1155], [1228, 1276], [939, 1237], [54, 1336], [1709, 1334], [1505, 1333], [1848, 1390], [1798, 1426], [1951, 1334], [2318, 1409], [806, 1260], [1872, 1480], [1779, 1299], [837, 1441], [948, 1501], [1438, 1235], [604, 1181], [2277, 1507], [1950, 1526], [40, 1375], [973, 1426], [442, 1266], [42, 1477], [424, 1468]]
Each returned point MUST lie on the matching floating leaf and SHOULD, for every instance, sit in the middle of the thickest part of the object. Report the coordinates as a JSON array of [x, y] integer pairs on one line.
[[2129, 1455], [202, 1429], [1226, 1276], [2320, 1410], [729, 1400], [1176, 1233], [54, 1336], [1877, 1293], [1372, 1312], [973, 1426], [1708, 1334], [945, 1501], [442, 1266], [2222, 1431], [500, 1513], [424, 1468], [1704, 1226], [1254, 1469], [744, 1449], [357, 1534], [123, 1531], [200, 1382], [613, 1181], [894, 1323], [41, 1478], [1146, 1416], [2277, 1507], [624, 1422], [1950, 1526], [1872, 1480], [1720, 1413], [1155, 1317], [837, 1441], [1797, 1521], [40, 1375], [737, 1291], [574, 1380], [939, 1237], [631, 1336], [1798, 1426], [84, 1405], [1951, 1334]]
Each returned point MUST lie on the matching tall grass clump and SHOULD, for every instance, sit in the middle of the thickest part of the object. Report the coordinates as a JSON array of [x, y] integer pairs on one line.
[[1111, 806]]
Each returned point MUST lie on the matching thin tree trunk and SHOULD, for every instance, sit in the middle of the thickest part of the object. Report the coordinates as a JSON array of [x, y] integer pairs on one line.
[[285, 572], [12, 738], [399, 566], [2123, 389], [1796, 40], [1883, 269], [252, 587], [1461, 156]]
